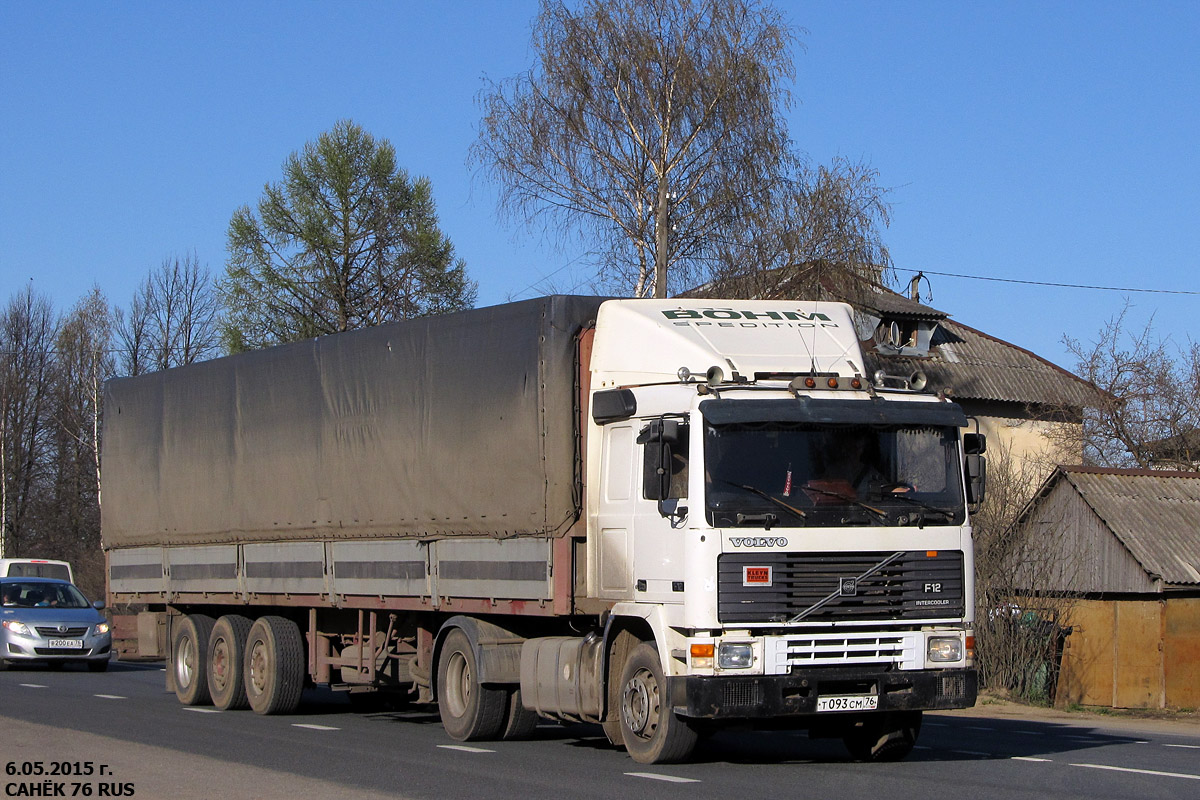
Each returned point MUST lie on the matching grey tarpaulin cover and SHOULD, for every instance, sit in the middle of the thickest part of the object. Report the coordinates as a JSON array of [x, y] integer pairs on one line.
[[462, 424]]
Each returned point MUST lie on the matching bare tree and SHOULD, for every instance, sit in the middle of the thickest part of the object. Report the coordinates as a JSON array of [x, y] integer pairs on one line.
[[27, 331], [173, 318], [654, 127], [70, 517], [1020, 621], [1150, 413], [820, 238]]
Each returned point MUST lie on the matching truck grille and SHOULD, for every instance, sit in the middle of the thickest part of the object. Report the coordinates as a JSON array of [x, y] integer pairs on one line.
[[774, 587]]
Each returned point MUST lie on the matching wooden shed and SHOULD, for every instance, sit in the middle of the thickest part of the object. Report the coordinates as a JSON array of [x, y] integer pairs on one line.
[[1124, 545]]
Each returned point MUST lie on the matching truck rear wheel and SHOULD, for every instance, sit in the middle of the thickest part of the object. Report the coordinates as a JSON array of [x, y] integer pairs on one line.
[[226, 654], [273, 672], [653, 733], [469, 710], [189, 659], [884, 737]]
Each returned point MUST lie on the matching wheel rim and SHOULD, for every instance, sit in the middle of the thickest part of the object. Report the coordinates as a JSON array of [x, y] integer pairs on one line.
[[219, 669], [258, 667], [640, 704], [185, 661], [458, 684]]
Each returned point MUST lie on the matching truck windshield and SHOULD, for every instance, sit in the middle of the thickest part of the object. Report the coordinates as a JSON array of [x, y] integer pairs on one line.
[[801, 474]]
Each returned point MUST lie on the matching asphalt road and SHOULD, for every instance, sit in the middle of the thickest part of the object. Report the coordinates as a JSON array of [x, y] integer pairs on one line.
[[138, 741]]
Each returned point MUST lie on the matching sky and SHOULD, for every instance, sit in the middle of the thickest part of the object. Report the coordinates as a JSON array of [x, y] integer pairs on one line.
[[1022, 141]]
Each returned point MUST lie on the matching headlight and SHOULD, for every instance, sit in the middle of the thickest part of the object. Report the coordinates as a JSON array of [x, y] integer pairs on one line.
[[735, 655], [19, 628], [945, 649], [102, 628]]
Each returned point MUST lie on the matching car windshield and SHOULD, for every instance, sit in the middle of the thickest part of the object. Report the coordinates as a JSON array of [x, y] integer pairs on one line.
[[21, 594], [801, 474]]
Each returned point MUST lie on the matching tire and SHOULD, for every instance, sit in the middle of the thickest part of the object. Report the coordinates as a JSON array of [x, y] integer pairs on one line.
[[469, 710], [884, 737], [98, 666], [274, 666], [189, 647], [519, 721], [226, 656], [652, 732]]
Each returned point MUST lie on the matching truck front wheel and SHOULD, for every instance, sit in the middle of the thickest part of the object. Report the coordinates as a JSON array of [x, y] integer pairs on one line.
[[274, 666], [652, 732], [189, 659], [469, 710], [888, 736]]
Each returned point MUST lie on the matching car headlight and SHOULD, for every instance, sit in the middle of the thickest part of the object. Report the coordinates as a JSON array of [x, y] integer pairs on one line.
[[102, 628], [19, 628], [945, 648], [735, 655]]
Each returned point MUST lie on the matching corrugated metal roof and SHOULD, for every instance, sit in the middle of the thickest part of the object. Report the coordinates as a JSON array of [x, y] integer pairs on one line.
[[972, 365], [1156, 515]]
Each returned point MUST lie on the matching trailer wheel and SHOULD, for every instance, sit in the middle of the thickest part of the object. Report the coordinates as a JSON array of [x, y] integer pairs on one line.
[[519, 721], [468, 709], [653, 733], [273, 672], [189, 648], [884, 737], [226, 654]]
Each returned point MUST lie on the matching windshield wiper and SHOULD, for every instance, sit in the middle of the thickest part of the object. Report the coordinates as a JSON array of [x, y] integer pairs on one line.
[[932, 509], [853, 501], [775, 500]]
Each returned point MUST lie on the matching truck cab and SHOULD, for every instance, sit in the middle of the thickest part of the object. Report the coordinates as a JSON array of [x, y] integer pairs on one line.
[[791, 534]]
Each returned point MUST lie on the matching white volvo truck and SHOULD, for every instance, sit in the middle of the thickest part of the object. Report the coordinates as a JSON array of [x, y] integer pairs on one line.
[[661, 516]]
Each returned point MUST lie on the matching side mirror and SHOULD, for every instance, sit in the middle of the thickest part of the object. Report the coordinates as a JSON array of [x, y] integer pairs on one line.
[[98, 605], [974, 444], [976, 478]]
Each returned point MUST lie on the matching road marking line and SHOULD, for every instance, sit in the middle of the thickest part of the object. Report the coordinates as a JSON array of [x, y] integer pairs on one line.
[[969, 753], [33, 686], [312, 727], [202, 710], [979, 728], [656, 777], [1031, 733], [921, 747], [1030, 758], [110, 696], [1142, 741], [1141, 771], [936, 725], [463, 748], [1188, 746]]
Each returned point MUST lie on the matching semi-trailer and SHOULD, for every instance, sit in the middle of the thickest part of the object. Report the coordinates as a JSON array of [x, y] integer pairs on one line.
[[660, 516]]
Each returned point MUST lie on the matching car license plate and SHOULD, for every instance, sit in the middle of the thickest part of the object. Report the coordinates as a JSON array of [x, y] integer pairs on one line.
[[65, 644], [848, 702]]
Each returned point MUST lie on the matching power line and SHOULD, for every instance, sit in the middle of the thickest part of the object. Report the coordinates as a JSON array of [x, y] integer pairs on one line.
[[1047, 283]]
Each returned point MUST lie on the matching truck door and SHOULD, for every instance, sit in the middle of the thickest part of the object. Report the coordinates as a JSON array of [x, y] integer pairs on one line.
[[616, 511], [660, 509]]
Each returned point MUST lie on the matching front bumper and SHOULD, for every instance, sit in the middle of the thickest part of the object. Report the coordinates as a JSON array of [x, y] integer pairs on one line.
[[36, 648], [767, 696]]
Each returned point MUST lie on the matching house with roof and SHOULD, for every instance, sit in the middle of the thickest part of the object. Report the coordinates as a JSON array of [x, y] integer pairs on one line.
[[1124, 546]]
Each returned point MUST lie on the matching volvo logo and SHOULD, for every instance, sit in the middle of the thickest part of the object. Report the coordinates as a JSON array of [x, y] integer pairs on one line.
[[758, 541]]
